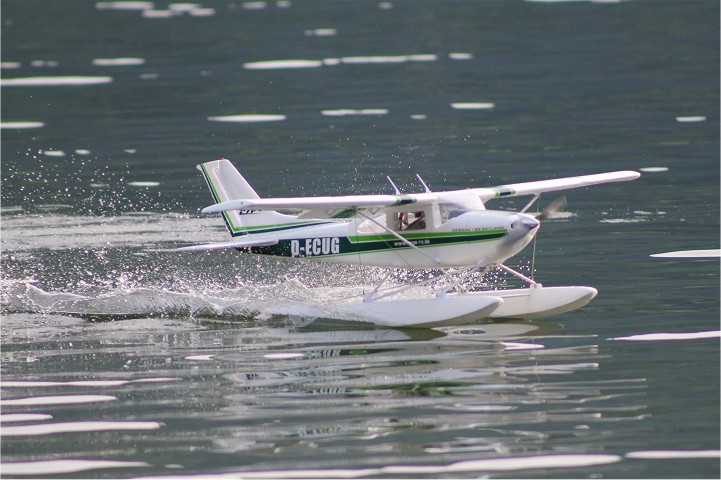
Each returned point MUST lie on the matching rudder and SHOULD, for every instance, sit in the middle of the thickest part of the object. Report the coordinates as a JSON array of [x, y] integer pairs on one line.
[[226, 183]]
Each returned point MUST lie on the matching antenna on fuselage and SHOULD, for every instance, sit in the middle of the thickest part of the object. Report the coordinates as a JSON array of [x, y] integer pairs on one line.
[[428, 190], [398, 192]]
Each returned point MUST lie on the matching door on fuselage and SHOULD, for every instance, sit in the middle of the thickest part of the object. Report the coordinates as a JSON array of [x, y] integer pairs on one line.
[[408, 220]]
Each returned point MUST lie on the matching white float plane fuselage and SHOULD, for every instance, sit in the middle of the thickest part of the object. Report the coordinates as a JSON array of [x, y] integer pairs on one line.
[[423, 230]]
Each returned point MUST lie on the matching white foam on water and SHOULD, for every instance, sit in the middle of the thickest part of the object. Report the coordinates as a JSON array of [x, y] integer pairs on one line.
[[115, 62], [10, 65], [54, 153], [158, 379], [283, 356], [200, 358], [158, 13], [75, 427], [321, 32], [426, 57], [282, 64], [77, 383], [53, 81], [558, 369], [179, 9], [183, 7], [345, 111], [44, 63], [508, 464], [460, 56], [521, 346], [653, 337], [419, 117], [654, 169], [534, 462], [127, 5], [82, 151], [56, 400], [375, 59], [57, 467], [144, 184], [21, 125], [84, 383], [4, 209], [255, 5], [673, 454], [202, 12], [690, 119], [473, 106], [52, 207], [560, 216], [711, 253], [622, 220], [359, 60], [58, 232], [24, 417], [478, 407], [250, 118]]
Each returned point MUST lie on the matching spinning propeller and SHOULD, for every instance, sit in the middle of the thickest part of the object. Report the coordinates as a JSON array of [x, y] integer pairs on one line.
[[555, 206]]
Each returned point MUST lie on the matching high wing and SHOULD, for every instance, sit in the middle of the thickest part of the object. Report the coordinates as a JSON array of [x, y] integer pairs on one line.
[[536, 188], [319, 203], [344, 206], [258, 240]]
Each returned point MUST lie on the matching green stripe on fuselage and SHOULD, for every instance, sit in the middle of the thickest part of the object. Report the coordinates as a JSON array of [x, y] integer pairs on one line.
[[338, 246], [436, 236]]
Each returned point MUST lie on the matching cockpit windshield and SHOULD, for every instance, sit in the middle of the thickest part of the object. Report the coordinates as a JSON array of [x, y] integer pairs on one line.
[[451, 211]]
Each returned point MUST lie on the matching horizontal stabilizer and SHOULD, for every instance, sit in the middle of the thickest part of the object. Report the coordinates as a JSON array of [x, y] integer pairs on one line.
[[307, 203], [244, 242]]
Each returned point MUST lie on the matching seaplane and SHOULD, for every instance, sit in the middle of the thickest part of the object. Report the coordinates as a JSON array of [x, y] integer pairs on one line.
[[449, 232]]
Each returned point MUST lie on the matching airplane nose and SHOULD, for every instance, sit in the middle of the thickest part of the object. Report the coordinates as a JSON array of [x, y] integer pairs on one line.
[[529, 222], [524, 223]]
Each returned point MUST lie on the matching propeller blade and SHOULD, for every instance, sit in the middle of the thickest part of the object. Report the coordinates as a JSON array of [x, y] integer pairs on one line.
[[555, 206]]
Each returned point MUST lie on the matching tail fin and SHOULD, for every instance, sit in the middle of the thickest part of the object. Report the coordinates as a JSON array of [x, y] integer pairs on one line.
[[226, 183]]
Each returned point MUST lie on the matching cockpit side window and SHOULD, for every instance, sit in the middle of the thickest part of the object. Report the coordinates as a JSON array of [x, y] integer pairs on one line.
[[410, 221]]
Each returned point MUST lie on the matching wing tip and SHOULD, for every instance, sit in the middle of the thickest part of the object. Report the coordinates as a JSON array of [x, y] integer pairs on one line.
[[632, 174]]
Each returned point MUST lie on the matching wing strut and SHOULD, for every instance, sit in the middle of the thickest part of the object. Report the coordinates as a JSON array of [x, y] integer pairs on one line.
[[532, 282], [528, 205]]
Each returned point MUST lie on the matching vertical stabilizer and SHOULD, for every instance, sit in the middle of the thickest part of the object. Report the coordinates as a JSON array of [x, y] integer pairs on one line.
[[226, 183]]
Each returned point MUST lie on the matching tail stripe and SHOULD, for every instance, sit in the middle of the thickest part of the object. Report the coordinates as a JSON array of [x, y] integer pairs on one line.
[[226, 183], [234, 231]]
